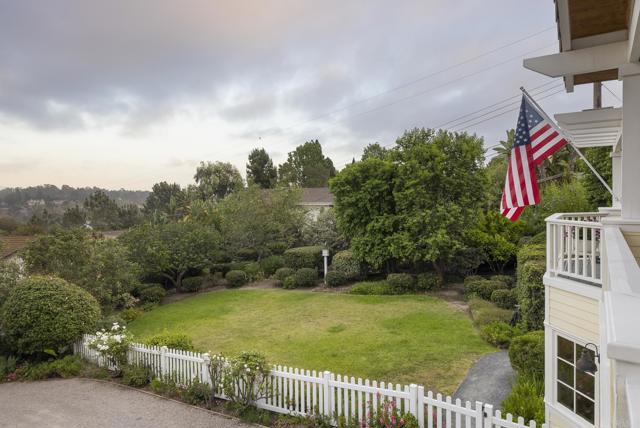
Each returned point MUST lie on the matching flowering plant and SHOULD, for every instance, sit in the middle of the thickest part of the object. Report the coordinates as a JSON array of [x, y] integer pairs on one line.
[[245, 378], [112, 344], [217, 365], [387, 415]]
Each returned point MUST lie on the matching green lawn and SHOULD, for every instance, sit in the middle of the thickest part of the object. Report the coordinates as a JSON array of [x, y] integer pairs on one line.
[[401, 339]]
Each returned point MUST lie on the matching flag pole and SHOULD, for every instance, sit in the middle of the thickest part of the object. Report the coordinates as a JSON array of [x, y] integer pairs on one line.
[[566, 137]]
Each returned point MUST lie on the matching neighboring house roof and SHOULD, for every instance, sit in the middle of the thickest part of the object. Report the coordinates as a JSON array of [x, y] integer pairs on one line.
[[316, 196], [10, 245], [112, 234]]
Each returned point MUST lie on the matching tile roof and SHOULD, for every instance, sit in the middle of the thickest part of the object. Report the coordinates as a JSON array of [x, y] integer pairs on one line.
[[12, 244], [316, 196]]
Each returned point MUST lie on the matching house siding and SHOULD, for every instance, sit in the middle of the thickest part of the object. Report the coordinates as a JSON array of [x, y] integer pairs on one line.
[[633, 239], [575, 314]]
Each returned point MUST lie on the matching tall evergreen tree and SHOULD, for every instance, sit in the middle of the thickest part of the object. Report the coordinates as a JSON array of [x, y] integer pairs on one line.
[[260, 169], [307, 166]]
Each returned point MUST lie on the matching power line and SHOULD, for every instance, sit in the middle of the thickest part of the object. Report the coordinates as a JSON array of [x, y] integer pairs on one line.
[[611, 92], [420, 78]]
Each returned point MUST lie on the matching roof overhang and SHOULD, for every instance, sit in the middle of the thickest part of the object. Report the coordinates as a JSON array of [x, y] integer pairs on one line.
[[596, 37], [592, 128]]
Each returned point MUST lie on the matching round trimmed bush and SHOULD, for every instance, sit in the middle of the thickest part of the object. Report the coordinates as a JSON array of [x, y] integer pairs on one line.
[[192, 284], [335, 278], [400, 282], [248, 254], [283, 273], [172, 340], [305, 277], [289, 283], [505, 299], [345, 263], [221, 267], [151, 293], [499, 333], [484, 289], [526, 353], [428, 281], [45, 312], [473, 278], [271, 264], [303, 257], [507, 279], [253, 271], [236, 278]]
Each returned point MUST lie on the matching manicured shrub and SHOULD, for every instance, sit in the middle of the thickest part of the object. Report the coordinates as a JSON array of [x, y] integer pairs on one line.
[[66, 367], [131, 314], [499, 333], [283, 273], [136, 375], [484, 289], [7, 365], [428, 281], [236, 278], [151, 293], [471, 286], [335, 278], [305, 277], [473, 278], [303, 257], [483, 312], [192, 284], [507, 279], [372, 288], [527, 353], [530, 293], [531, 252], [526, 399], [10, 275], [400, 282], [271, 264], [197, 393], [505, 299], [289, 283], [217, 278], [248, 254], [238, 266], [45, 312], [253, 271], [346, 263], [221, 267], [172, 340]]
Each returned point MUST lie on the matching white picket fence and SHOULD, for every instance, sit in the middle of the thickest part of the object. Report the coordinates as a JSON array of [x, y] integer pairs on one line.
[[303, 392]]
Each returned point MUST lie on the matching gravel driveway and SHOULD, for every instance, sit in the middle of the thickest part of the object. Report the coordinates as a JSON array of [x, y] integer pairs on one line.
[[81, 403]]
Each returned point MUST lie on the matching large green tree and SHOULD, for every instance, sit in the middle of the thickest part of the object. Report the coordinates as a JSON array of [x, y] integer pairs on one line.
[[307, 166], [102, 212], [259, 220], [217, 180], [100, 266], [166, 202], [260, 169], [600, 158], [172, 249]]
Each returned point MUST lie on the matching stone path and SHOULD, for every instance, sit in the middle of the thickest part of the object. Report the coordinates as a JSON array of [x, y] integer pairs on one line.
[[81, 403]]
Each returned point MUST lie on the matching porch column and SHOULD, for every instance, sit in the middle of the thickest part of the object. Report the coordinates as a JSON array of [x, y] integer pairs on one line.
[[630, 192], [616, 176]]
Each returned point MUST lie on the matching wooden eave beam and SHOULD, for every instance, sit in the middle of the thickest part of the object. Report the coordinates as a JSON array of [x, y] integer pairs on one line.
[[582, 61]]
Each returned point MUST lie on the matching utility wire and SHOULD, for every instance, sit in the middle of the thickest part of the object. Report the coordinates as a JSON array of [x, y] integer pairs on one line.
[[612, 93]]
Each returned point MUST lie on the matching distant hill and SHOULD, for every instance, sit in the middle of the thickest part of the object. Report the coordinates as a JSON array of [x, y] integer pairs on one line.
[[23, 202]]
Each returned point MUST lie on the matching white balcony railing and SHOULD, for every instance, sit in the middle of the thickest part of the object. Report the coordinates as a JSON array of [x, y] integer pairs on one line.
[[574, 242]]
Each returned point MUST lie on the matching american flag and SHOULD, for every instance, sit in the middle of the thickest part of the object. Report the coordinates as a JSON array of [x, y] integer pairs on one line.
[[535, 140]]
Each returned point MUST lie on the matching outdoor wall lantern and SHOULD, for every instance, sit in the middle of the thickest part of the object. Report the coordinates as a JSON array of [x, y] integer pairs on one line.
[[585, 362]]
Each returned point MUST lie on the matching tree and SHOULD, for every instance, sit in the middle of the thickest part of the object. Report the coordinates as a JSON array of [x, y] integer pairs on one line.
[[171, 249], [260, 169], [438, 192], [100, 266], [74, 217], [102, 211], [166, 202], [217, 180], [128, 216], [365, 209], [497, 238], [259, 220], [324, 231], [374, 150], [600, 158], [306, 166]]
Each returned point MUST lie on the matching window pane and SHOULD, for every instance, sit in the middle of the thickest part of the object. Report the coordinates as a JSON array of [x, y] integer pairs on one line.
[[565, 349], [565, 396], [565, 372], [585, 383], [579, 350], [585, 407]]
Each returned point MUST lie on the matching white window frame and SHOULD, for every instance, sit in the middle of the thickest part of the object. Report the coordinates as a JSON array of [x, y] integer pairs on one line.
[[564, 410]]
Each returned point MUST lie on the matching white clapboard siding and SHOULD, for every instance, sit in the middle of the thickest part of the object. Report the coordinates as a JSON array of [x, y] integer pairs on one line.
[[302, 392]]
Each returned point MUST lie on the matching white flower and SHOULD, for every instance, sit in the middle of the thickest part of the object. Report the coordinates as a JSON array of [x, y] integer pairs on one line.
[[248, 370]]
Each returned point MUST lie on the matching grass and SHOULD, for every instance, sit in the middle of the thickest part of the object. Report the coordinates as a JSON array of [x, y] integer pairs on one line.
[[403, 339]]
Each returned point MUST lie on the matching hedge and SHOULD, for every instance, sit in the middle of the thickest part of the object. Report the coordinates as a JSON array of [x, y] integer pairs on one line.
[[192, 284], [236, 278], [530, 293], [527, 353], [400, 282], [171, 340], [531, 252], [499, 333], [346, 263], [151, 293], [45, 312], [505, 299], [485, 288], [473, 278], [507, 279], [283, 273], [335, 278], [428, 281], [271, 264], [303, 257], [372, 288], [305, 277], [253, 271]]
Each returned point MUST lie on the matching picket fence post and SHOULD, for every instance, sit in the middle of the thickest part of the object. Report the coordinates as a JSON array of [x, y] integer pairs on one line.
[[164, 366], [479, 414], [420, 415], [488, 416], [327, 396], [204, 371]]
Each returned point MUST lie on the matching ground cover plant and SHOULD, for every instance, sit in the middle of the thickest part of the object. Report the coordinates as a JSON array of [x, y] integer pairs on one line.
[[406, 339]]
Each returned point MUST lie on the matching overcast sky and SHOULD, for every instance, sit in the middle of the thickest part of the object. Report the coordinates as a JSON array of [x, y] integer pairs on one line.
[[125, 93]]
